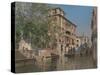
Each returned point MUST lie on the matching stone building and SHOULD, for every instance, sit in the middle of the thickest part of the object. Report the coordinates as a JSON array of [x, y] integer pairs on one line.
[[78, 42], [94, 34], [84, 39], [66, 37], [82, 44]]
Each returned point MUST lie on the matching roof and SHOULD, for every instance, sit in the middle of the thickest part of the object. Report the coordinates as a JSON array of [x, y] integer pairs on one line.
[[63, 16], [66, 19], [57, 8]]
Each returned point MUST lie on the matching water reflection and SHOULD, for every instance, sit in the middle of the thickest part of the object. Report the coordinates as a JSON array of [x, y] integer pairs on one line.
[[68, 63], [61, 63]]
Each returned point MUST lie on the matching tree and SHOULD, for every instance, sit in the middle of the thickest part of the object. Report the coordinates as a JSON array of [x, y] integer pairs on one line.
[[33, 21]]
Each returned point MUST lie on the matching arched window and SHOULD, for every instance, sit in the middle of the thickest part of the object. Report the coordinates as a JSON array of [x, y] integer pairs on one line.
[[67, 32]]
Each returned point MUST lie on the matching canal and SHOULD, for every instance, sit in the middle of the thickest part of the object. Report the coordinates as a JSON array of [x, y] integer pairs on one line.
[[62, 63]]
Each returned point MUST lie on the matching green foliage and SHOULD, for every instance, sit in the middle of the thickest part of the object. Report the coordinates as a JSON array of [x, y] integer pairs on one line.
[[32, 20]]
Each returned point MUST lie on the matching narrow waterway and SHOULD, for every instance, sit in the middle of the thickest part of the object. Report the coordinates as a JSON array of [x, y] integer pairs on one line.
[[62, 63]]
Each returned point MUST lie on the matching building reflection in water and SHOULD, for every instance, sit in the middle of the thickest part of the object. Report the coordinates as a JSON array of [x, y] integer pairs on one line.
[[67, 63]]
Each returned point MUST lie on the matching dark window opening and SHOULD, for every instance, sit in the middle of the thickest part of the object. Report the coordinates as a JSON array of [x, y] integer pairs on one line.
[[67, 32]]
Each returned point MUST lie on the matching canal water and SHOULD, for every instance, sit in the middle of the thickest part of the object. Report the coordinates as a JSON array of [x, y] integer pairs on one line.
[[62, 63]]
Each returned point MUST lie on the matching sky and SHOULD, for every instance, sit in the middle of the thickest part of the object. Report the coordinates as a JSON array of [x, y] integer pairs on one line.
[[80, 16]]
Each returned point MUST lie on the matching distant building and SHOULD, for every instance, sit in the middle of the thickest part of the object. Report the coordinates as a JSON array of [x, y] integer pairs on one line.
[[23, 45], [78, 41], [82, 41], [94, 34]]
